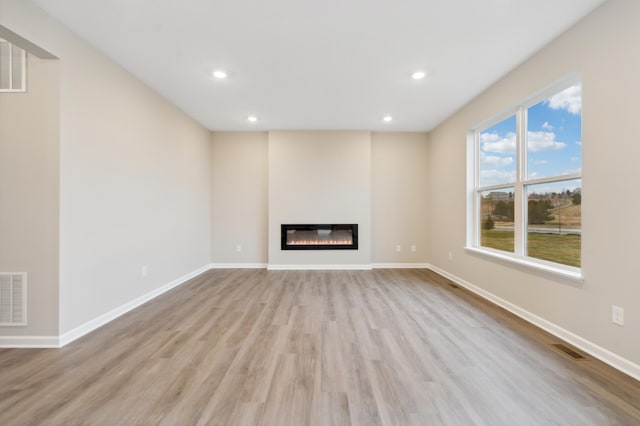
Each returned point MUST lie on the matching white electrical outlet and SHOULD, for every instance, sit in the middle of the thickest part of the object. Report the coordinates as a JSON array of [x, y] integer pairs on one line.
[[144, 271], [617, 315], [413, 248], [450, 256], [398, 248], [238, 248]]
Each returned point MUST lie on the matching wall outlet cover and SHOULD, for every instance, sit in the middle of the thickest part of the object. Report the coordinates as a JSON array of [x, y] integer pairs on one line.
[[617, 315]]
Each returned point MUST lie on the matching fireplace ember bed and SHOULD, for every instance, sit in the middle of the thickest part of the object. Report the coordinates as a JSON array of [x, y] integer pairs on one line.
[[319, 237]]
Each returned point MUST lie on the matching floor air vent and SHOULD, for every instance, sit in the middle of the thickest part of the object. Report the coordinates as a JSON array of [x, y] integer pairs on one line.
[[568, 351], [13, 298]]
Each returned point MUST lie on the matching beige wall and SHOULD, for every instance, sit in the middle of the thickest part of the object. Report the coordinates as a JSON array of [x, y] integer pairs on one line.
[[320, 177], [240, 172], [239, 198], [29, 188], [134, 178], [399, 195], [604, 48]]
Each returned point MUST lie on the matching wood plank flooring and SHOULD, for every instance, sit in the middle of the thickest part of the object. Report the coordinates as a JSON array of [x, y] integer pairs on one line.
[[256, 347]]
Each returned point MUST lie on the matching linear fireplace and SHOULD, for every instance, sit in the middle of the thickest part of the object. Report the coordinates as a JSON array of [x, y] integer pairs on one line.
[[319, 237]]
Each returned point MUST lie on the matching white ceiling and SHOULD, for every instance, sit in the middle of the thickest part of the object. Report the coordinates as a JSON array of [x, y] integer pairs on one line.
[[319, 64]]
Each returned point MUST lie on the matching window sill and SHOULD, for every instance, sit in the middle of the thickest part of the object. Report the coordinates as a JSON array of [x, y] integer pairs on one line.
[[569, 273]]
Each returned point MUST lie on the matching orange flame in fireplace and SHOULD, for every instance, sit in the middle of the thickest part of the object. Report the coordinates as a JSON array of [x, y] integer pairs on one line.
[[319, 242]]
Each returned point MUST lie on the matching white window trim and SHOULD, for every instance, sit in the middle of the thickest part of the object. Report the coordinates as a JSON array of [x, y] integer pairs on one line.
[[23, 70], [473, 178]]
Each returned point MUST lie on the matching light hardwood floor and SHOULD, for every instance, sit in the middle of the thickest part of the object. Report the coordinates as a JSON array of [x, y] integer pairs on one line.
[[245, 347]]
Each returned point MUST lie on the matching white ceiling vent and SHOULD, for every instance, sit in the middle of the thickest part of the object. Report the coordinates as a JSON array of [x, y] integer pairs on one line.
[[13, 298]]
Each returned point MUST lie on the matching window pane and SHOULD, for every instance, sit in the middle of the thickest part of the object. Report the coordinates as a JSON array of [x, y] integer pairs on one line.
[[498, 153], [496, 215], [554, 135], [5, 63], [554, 221], [16, 65]]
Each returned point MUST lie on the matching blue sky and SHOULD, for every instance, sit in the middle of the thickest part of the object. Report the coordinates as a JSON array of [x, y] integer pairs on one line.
[[554, 145]]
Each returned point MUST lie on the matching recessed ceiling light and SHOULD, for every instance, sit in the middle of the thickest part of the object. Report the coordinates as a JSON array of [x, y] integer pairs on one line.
[[219, 74], [387, 118], [252, 118], [418, 75]]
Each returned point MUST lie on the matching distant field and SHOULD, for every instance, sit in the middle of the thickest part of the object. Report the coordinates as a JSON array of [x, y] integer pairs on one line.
[[563, 249], [570, 216]]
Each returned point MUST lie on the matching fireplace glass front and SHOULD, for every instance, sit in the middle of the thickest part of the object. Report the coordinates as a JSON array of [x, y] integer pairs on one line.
[[319, 237]]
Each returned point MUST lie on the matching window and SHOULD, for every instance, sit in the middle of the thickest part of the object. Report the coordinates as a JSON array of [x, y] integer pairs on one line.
[[13, 67], [526, 197]]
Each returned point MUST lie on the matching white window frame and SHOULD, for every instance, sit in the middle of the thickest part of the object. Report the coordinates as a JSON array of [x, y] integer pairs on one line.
[[23, 70], [474, 221]]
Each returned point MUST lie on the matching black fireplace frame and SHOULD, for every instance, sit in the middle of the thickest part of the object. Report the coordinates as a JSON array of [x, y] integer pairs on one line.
[[353, 227]]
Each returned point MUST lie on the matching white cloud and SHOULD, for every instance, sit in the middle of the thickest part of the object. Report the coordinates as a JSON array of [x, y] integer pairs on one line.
[[494, 177], [579, 143], [537, 141], [572, 171], [569, 99], [493, 142], [556, 187], [540, 162], [547, 126], [543, 141], [494, 160]]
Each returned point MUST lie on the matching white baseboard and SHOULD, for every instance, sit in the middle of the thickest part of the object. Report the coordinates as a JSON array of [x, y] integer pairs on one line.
[[103, 319], [277, 267], [29, 342], [237, 266], [400, 265], [616, 361], [318, 267]]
